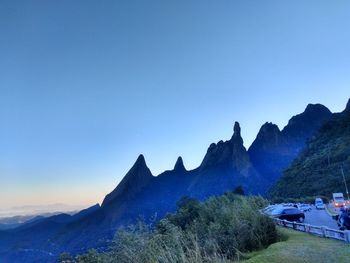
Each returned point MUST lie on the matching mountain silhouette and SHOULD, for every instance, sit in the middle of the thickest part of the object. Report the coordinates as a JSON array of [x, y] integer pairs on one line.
[[273, 150], [318, 169], [226, 165]]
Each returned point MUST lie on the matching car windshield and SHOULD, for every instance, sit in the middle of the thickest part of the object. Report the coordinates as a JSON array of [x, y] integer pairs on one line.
[[276, 211], [339, 198], [319, 202]]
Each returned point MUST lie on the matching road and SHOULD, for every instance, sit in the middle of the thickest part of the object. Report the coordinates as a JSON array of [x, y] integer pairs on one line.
[[320, 218]]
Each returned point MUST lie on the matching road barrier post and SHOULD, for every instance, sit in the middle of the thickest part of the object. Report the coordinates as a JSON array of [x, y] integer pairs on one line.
[[307, 228], [347, 236], [323, 229]]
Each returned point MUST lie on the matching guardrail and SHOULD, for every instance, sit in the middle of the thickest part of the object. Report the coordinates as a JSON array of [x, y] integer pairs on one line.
[[320, 231]]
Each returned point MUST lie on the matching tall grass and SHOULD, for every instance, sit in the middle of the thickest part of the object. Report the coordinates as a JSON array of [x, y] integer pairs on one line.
[[218, 230]]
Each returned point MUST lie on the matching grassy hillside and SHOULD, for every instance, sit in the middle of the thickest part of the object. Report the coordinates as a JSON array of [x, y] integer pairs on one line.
[[300, 248], [317, 171]]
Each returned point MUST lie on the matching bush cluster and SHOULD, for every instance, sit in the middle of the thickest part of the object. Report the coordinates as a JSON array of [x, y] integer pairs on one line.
[[217, 230]]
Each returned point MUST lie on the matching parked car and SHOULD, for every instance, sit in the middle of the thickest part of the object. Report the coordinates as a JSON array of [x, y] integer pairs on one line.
[[343, 219], [288, 213], [304, 207], [319, 204]]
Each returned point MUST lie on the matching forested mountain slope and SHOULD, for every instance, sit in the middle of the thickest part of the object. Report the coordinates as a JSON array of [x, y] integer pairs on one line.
[[317, 171]]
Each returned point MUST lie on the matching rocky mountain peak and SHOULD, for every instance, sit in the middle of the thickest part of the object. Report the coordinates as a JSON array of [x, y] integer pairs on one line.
[[138, 177], [237, 129], [306, 123], [140, 161], [269, 135], [236, 137], [268, 128], [230, 153], [179, 165]]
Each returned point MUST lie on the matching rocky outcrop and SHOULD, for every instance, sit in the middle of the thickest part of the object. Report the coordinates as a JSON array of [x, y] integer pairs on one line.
[[133, 182], [179, 165], [231, 153], [274, 150], [303, 126]]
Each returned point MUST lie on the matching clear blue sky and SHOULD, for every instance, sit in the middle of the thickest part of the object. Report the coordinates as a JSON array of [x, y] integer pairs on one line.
[[86, 86]]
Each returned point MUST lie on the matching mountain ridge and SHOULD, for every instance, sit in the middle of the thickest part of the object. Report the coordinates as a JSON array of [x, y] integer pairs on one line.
[[318, 169], [226, 165]]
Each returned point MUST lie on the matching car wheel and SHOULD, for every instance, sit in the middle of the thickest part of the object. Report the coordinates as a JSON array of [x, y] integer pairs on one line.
[[301, 219]]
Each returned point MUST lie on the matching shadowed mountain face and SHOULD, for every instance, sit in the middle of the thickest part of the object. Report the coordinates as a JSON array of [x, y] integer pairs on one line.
[[133, 182], [273, 150], [318, 169], [226, 165]]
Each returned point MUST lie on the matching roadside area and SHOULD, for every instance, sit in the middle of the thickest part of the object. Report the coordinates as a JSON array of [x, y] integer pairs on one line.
[[300, 247], [331, 210], [320, 218]]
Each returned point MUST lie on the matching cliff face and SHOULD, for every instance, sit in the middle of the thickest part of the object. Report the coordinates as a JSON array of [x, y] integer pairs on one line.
[[231, 153], [273, 150], [318, 169], [133, 182], [225, 166]]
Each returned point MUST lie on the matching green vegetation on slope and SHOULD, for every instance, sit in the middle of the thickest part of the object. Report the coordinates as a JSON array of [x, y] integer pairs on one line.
[[301, 248], [317, 171], [218, 230]]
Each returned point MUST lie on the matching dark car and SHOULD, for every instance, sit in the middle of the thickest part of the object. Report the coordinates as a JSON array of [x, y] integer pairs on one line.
[[288, 213], [343, 219]]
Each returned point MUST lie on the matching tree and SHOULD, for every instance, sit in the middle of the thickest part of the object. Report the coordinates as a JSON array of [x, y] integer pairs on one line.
[[65, 258], [239, 190]]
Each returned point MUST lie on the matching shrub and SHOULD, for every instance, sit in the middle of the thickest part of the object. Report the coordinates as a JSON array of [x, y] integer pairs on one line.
[[217, 230]]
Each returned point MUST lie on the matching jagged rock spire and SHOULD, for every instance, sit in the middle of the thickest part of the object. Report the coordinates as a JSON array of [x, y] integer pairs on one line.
[[236, 137], [229, 153], [179, 165], [237, 129]]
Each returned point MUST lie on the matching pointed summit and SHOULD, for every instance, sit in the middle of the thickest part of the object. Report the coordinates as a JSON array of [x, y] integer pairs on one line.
[[179, 165], [140, 161], [236, 137], [137, 178], [231, 153], [237, 129]]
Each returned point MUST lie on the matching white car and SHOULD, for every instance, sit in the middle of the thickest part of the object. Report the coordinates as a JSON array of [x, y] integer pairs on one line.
[[304, 207], [319, 204]]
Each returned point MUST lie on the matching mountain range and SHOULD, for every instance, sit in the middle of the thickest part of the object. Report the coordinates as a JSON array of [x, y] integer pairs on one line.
[[226, 165]]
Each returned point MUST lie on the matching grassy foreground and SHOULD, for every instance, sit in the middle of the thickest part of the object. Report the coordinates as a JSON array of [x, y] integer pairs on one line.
[[301, 247]]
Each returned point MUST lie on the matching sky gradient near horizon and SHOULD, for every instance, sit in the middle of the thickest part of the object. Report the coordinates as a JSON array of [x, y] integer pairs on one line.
[[87, 86]]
